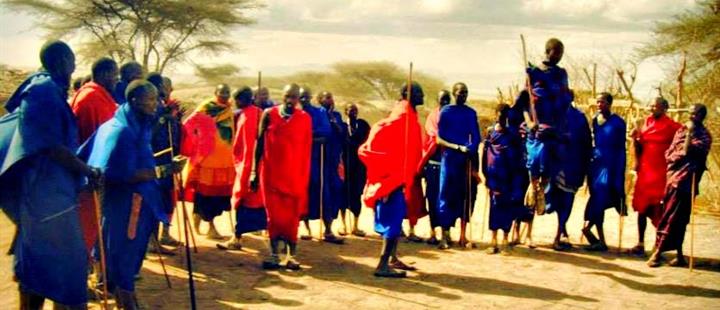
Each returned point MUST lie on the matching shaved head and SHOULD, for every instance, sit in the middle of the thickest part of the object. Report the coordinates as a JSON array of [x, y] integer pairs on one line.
[[58, 59]]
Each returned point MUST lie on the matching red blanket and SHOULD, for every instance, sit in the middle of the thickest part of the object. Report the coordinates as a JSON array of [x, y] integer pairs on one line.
[[393, 157], [93, 105], [431, 132], [246, 130], [285, 171], [655, 138]]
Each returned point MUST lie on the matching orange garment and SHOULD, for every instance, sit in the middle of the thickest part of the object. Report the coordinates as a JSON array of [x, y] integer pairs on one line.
[[210, 172]]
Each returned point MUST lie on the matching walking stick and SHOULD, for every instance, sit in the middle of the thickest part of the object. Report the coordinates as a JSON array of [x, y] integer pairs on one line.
[[621, 223], [407, 126], [468, 202], [162, 262], [692, 223], [177, 219], [484, 216], [528, 84], [101, 243], [322, 187], [188, 258]]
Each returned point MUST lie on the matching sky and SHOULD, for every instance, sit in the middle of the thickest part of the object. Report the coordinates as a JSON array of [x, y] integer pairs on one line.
[[474, 41]]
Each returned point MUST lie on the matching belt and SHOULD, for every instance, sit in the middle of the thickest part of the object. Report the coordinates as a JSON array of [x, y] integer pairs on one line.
[[434, 162]]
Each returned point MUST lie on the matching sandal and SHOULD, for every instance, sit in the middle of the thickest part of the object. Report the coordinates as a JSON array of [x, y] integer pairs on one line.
[[492, 250]]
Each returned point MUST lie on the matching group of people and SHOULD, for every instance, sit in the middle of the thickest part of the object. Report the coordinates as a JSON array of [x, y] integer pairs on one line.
[[122, 146]]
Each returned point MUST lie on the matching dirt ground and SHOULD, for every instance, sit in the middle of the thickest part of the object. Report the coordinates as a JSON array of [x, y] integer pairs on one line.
[[337, 276]]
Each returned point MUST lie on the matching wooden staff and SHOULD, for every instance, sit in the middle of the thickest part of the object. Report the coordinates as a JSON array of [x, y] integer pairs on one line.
[[101, 244], [683, 66], [621, 223], [188, 256], [692, 223], [484, 217], [528, 84], [466, 208], [322, 185], [162, 262], [407, 124]]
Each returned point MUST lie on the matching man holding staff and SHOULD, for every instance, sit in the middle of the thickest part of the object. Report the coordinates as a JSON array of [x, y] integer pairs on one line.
[[686, 157], [392, 155], [459, 135]]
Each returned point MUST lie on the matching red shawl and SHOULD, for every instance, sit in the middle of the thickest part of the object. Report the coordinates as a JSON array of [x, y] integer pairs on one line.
[[655, 138], [246, 130], [92, 105], [285, 165], [394, 142]]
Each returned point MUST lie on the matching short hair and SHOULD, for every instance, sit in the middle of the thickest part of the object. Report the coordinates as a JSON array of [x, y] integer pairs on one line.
[[415, 87], [129, 69], [458, 85], [138, 88], [102, 66], [702, 109], [502, 109], [661, 100], [52, 52], [291, 90], [553, 43], [156, 79], [167, 81], [77, 83], [243, 94], [607, 96]]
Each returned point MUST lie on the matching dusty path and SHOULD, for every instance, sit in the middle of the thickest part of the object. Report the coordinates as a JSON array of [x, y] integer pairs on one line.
[[341, 276]]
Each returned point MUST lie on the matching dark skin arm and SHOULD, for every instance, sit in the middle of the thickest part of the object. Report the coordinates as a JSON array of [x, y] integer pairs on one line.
[[259, 149], [66, 158]]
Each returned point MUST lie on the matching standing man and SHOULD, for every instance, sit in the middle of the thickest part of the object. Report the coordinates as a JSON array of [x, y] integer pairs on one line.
[[502, 155], [211, 176], [333, 184], [132, 197], [41, 177], [651, 143], [248, 204], [392, 155], [129, 72], [575, 153], [607, 171], [431, 171], [166, 125], [355, 171], [282, 170], [262, 98], [93, 105], [686, 158], [459, 134], [321, 134]]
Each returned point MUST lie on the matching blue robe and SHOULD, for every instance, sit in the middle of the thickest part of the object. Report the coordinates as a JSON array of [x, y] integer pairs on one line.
[[39, 195], [552, 99], [320, 129], [575, 153], [123, 147], [607, 170], [505, 177], [335, 186], [458, 124]]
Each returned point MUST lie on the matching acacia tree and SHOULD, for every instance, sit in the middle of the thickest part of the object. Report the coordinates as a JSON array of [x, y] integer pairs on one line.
[[696, 32], [156, 33]]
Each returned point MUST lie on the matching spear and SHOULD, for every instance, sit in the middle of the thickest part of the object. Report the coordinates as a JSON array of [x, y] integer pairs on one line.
[[101, 245]]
